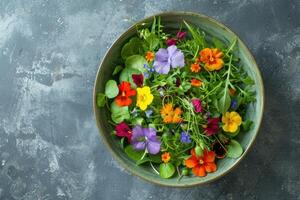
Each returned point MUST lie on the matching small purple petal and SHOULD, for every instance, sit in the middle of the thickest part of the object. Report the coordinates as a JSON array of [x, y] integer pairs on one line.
[[138, 145], [153, 146], [181, 35], [137, 132], [171, 41], [150, 133], [171, 50], [177, 59], [197, 105]]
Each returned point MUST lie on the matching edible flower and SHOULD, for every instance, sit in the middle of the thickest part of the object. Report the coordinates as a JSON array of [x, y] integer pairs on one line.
[[180, 35], [196, 82], [201, 164], [165, 157], [171, 115], [171, 41], [125, 92], [212, 59], [138, 79], [197, 105], [231, 121], [167, 58], [144, 97], [195, 67], [123, 130], [149, 56], [212, 126], [145, 138], [184, 137]]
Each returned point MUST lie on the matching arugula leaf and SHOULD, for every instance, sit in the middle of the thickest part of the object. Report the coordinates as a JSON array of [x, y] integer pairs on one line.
[[224, 102], [117, 69], [111, 89], [196, 35]]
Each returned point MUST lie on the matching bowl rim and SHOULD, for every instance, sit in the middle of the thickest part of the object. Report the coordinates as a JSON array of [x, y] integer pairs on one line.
[[262, 94]]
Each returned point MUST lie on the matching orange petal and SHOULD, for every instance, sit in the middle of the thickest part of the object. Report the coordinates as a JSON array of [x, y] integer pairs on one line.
[[209, 156], [199, 171], [191, 162], [210, 167]]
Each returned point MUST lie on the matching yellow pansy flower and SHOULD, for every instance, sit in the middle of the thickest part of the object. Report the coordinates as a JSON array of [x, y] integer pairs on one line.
[[231, 121], [144, 97]]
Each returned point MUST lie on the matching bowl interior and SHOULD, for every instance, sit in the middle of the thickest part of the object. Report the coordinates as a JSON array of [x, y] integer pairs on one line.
[[173, 21]]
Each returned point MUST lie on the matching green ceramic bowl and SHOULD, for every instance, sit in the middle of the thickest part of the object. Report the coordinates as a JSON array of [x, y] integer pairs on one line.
[[172, 21]]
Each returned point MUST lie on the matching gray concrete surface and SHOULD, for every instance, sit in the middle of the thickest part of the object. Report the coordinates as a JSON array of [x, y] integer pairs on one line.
[[49, 144]]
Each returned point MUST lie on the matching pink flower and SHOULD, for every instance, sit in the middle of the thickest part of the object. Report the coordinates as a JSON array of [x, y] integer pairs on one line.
[[212, 126], [171, 41], [123, 130], [197, 105], [181, 35]]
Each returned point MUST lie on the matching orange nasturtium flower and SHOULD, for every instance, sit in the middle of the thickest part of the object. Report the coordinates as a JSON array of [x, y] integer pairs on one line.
[[125, 92], [171, 115], [165, 157], [149, 56], [201, 164], [195, 67], [196, 82], [212, 59]]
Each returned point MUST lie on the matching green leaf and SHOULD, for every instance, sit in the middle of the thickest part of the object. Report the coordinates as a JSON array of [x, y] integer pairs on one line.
[[117, 69], [151, 158], [100, 99], [234, 149], [199, 38], [218, 43], [224, 101], [166, 170], [248, 80], [152, 41], [118, 113], [111, 89], [198, 151], [133, 154], [126, 75], [136, 62], [134, 46], [137, 121], [233, 134], [247, 125]]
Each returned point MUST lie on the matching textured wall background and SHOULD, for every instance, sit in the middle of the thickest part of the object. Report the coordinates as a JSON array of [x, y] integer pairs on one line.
[[49, 55]]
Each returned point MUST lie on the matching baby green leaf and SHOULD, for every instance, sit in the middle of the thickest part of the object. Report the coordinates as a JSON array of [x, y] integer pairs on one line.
[[134, 46], [199, 38], [152, 41], [224, 102], [234, 149], [166, 170], [136, 62], [133, 154], [100, 99], [126, 75], [111, 89], [118, 113], [117, 69], [247, 125]]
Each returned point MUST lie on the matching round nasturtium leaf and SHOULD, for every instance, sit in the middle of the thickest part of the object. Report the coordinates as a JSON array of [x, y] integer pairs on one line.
[[234, 149], [136, 62], [166, 170], [111, 89], [119, 113], [126, 75]]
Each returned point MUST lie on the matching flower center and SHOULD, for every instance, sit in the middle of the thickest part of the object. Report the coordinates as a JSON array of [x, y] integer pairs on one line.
[[123, 94], [201, 161]]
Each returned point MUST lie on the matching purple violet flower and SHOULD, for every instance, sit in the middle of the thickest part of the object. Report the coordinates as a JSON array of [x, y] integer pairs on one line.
[[197, 105], [166, 58], [184, 137], [145, 138]]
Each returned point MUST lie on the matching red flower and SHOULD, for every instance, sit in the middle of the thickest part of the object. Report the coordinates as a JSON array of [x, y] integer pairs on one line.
[[201, 164], [125, 91], [171, 41], [181, 35], [123, 130], [138, 79], [212, 126]]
